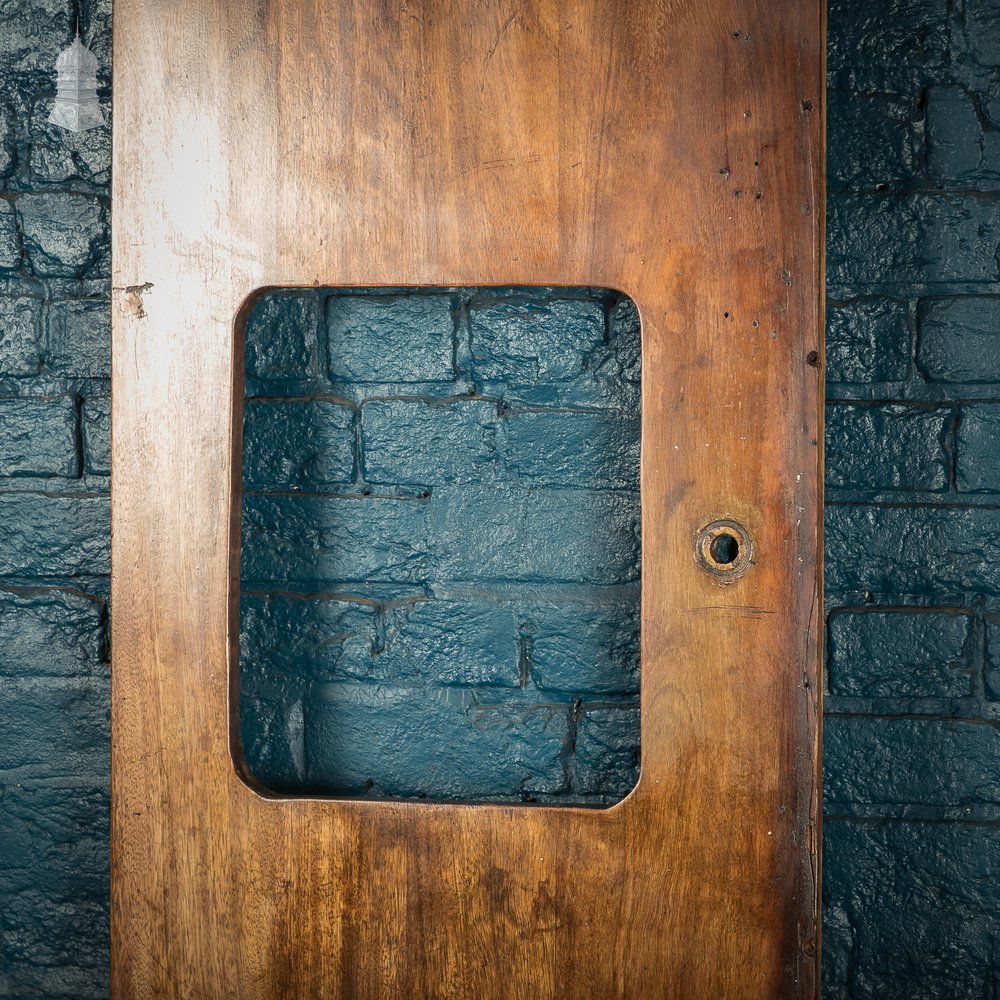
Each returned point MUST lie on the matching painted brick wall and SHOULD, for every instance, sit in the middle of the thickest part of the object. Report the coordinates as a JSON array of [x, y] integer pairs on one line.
[[441, 544], [54, 395], [911, 842], [912, 748]]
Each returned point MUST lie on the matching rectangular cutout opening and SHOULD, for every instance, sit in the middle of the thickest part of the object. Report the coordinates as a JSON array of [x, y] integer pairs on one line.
[[440, 555]]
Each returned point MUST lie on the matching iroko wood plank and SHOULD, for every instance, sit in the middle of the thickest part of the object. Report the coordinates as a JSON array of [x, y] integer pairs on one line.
[[667, 148]]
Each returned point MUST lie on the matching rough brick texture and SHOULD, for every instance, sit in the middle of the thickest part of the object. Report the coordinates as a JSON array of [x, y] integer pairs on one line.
[[910, 835], [440, 556], [912, 452], [901, 653], [436, 742], [910, 909], [913, 516], [54, 392]]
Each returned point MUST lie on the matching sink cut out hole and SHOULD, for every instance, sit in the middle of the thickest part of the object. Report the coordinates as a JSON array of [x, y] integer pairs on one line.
[[440, 579]]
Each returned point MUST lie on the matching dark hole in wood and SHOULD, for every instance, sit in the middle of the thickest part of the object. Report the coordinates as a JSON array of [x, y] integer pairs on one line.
[[725, 549]]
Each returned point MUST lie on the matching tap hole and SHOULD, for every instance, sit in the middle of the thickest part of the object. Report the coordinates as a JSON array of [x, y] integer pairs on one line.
[[724, 548]]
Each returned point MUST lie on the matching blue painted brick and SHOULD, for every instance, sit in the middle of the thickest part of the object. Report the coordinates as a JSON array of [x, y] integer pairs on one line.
[[10, 244], [993, 655], [50, 631], [888, 446], [438, 742], [39, 437], [872, 139], [53, 642], [313, 540], [582, 536], [477, 516], [95, 25], [53, 827], [38, 30], [289, 640], [909, 910], [541, 371], [583, 648], [886, 46], [526, 343], [272, 738], [959, 339], [978, 448], [918, 652], [54, 883], [282, 336], [450, 642], [880, 241], [897, 763], [975, 42], [54, 946], [78, 338], [54, 535], [419, 442], [868, 340], [19, 347], [912, 550], [271, 691], [63, 233], [989, 102], [97, 435], [597, 449], [57, 727], [403, 340], [606, 758], [306, 443], [7, 149], [416, 442], [59, 157], [958, 148], [625, 330], [468, 534]]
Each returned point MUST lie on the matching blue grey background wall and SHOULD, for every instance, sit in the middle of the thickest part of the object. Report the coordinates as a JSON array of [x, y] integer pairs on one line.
[[912, 750], [912, 847], [54, 540]]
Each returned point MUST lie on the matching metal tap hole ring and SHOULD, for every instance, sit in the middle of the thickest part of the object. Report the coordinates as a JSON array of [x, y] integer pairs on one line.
[[724, 548]]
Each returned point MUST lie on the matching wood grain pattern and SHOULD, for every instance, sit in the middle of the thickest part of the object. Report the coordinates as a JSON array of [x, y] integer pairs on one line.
[[667, 148]]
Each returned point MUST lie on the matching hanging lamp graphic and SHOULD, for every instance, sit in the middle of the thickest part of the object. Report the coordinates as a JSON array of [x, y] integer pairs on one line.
[[76, 107]]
